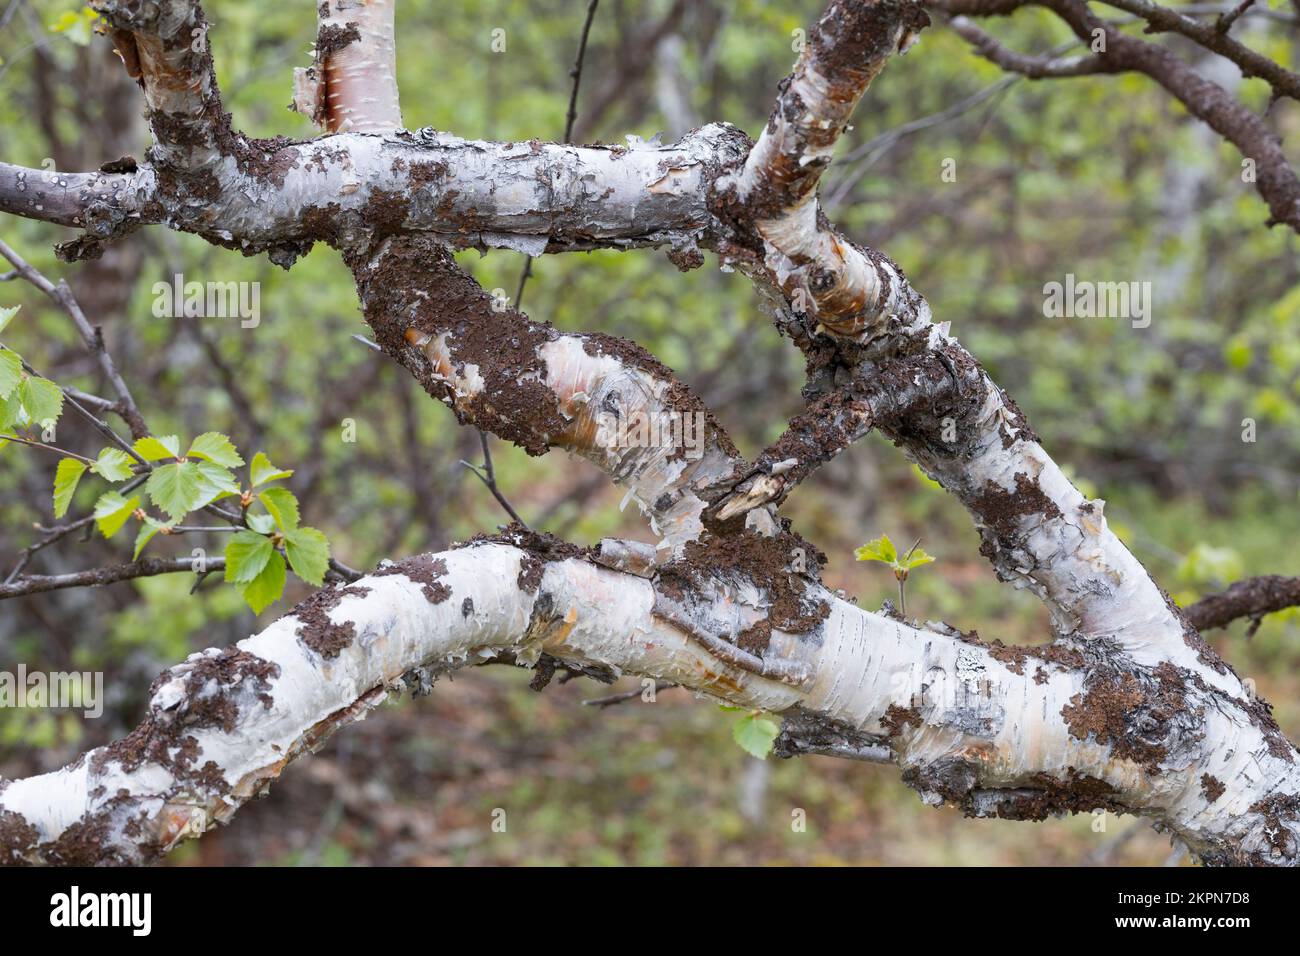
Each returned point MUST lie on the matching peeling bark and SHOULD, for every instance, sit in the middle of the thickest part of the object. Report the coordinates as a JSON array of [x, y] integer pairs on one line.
[[598, 396], [164, 46], [1020, 738], [353, 85], [1127, 710], [849, 291]]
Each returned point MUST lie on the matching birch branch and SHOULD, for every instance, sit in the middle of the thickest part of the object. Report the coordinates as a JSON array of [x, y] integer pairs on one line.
[[783, 238], [1036, 528], [1128, 709], [1008, 732], [164, 46], [531, 197], [111, 574], [598, 396], [352, 87], [1251, 598]]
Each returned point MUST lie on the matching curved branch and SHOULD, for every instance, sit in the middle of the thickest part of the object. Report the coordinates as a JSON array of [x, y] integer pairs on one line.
[[1036, 528], [958, 716], [772, 199], [1275, 180], [1028, 65], [915, 388], [1215, 37], [164, 46]]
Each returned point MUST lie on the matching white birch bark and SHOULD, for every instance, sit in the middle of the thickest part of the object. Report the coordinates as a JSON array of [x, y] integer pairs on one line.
[[994, 735], [1127, 710]]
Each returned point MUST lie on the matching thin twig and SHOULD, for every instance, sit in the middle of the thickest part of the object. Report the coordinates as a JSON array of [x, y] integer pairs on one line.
[[570, 117], [487, 474], [1225, 21], [53, 448], [344, 572], [58, 533], [103, 427], [97, 577], [613, 699]]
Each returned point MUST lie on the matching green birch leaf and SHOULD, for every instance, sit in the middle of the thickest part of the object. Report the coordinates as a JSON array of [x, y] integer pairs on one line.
[[247, 554], [155, 449], [147, 530], [66, 477], [216, 483], [282, 505], [112, 510], [878, 549], [176, 489], [7, 315], [113, 464], [262, 524], [11, 372], [917, 558], [756, 734], [265, 589], [216, 448], [309, 554], [261, 470], [42, 399]]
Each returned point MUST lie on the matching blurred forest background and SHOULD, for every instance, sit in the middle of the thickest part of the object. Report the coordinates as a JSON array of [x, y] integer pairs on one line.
[[1106, 178]]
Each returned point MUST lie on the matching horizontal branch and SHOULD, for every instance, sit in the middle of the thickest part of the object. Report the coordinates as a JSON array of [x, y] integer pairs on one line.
[[111, 574], [101, 203], [997, 731], [1250, 598], [343, 189]]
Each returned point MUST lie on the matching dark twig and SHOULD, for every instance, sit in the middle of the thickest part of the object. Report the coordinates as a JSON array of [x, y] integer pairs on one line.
[[54, 448], [60, 532], [613, 699], [97, 577], [63, 297], [1223, 23], [487, 474], [1251, 597]]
